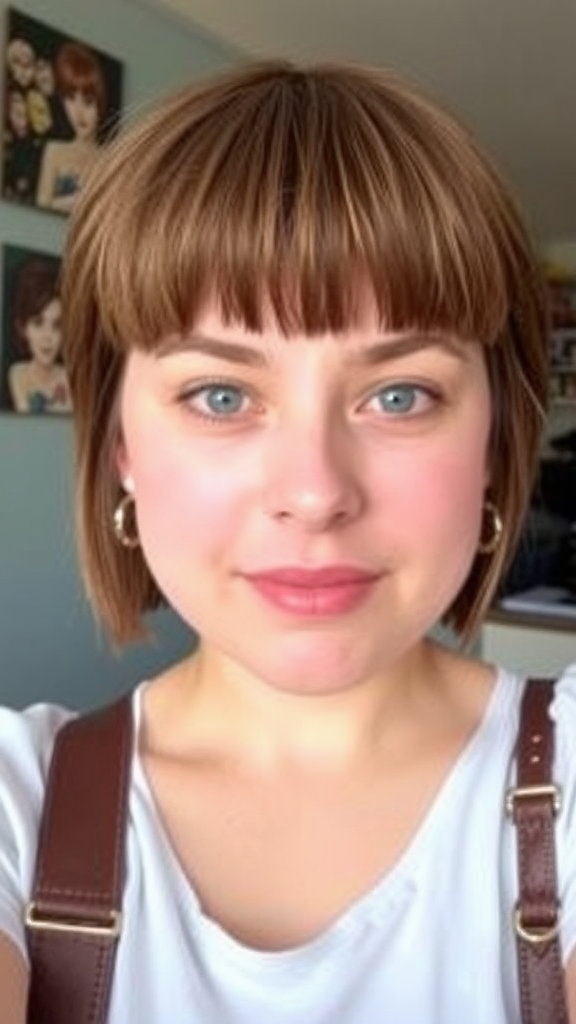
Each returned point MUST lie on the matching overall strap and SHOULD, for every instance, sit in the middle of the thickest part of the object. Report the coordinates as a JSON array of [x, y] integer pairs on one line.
[[74, 918], [533, 804]]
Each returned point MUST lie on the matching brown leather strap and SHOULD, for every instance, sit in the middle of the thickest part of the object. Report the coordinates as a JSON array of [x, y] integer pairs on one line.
[[533, 803], [74, 919]]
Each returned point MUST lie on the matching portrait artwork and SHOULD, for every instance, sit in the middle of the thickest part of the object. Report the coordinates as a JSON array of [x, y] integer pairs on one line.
[[33, 379], [62, 101]]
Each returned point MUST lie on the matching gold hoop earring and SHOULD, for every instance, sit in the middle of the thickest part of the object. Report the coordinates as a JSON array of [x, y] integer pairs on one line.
[[125, 527], [489, 546]]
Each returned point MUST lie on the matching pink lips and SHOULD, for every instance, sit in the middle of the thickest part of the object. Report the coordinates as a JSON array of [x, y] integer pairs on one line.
[[331, 590]]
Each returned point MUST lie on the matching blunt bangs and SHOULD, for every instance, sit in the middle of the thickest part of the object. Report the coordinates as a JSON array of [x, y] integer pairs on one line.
[[278, 195]]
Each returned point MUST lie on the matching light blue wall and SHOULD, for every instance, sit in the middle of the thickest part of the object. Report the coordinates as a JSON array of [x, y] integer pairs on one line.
[[50, 647]]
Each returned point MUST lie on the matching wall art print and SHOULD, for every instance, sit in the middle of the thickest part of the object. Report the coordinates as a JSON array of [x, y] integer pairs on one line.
[[32, 377], [62, 100]]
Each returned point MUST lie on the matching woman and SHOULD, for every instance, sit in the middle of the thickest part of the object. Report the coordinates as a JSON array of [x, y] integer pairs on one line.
[[306, 343], [38, 384], [65, 162]]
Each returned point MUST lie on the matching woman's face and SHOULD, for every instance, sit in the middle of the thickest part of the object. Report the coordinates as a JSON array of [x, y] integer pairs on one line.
[[43, 333], [44, 77], [82, 112], [20, 56], [310, 506]]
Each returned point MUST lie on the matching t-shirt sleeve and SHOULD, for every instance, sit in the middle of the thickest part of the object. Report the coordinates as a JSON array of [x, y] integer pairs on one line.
[[564, 714], [26, 741]]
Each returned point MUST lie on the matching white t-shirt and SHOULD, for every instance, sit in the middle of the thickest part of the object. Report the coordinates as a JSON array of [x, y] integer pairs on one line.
[[430, 943]]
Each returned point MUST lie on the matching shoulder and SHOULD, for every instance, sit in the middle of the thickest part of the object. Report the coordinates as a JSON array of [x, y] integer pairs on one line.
[[19, 383], [26, 742], [18, 372]]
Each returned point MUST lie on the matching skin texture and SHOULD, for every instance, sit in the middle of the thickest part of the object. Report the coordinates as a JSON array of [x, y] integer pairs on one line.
[[366, 449], [312, 472], [14, 981], [246, 452]]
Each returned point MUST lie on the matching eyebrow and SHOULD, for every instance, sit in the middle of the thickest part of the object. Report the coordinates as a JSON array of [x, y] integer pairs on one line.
[[380, 352], [399, 348], [231, 351]]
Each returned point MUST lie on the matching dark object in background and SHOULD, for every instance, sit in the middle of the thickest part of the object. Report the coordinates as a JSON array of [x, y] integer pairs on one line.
[[541, 556], [565, 444], [556, 489], [546, 553]]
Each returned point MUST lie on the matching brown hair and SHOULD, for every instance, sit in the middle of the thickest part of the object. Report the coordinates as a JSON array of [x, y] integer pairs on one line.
[[281, 188], [77, 69]]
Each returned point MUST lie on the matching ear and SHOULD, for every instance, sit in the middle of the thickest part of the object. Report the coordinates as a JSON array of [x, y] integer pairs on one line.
[[123, 466]]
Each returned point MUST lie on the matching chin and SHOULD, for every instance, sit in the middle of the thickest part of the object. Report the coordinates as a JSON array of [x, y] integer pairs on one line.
[[312, 672]]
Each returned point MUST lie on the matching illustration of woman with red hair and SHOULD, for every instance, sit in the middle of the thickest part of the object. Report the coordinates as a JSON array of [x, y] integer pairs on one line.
[[81, 87]]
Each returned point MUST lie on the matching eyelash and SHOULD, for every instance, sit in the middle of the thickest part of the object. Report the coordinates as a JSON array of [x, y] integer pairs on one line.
[[187, 398]]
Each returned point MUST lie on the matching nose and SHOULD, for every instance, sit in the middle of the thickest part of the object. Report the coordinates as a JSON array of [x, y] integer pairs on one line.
[[313, 476]]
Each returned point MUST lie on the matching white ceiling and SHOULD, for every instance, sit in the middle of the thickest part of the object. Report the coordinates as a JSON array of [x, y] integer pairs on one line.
[[507, 67]]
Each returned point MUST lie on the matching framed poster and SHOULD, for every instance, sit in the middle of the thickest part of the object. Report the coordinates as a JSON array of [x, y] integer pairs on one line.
[[33, 380], [62, 99]]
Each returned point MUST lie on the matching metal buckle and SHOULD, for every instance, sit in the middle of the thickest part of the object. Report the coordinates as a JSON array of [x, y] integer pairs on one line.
[[538, 935], [111, 929], [525, 792]]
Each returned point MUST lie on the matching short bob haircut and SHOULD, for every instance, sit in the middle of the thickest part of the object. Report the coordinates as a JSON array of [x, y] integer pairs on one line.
[[278, 189]]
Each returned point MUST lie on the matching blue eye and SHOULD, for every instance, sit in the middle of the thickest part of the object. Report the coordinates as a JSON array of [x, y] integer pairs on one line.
[[397, 398], [218, 399], [402, 399]]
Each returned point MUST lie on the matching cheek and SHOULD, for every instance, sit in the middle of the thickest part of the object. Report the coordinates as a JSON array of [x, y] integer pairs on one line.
[[183, 503], [31, 339], [436, 495]]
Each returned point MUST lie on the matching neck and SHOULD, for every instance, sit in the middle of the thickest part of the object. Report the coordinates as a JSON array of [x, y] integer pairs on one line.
[[43, 373], [223, 707]]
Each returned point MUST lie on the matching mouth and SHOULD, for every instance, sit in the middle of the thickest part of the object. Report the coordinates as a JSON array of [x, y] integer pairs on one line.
[[322, 592]]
